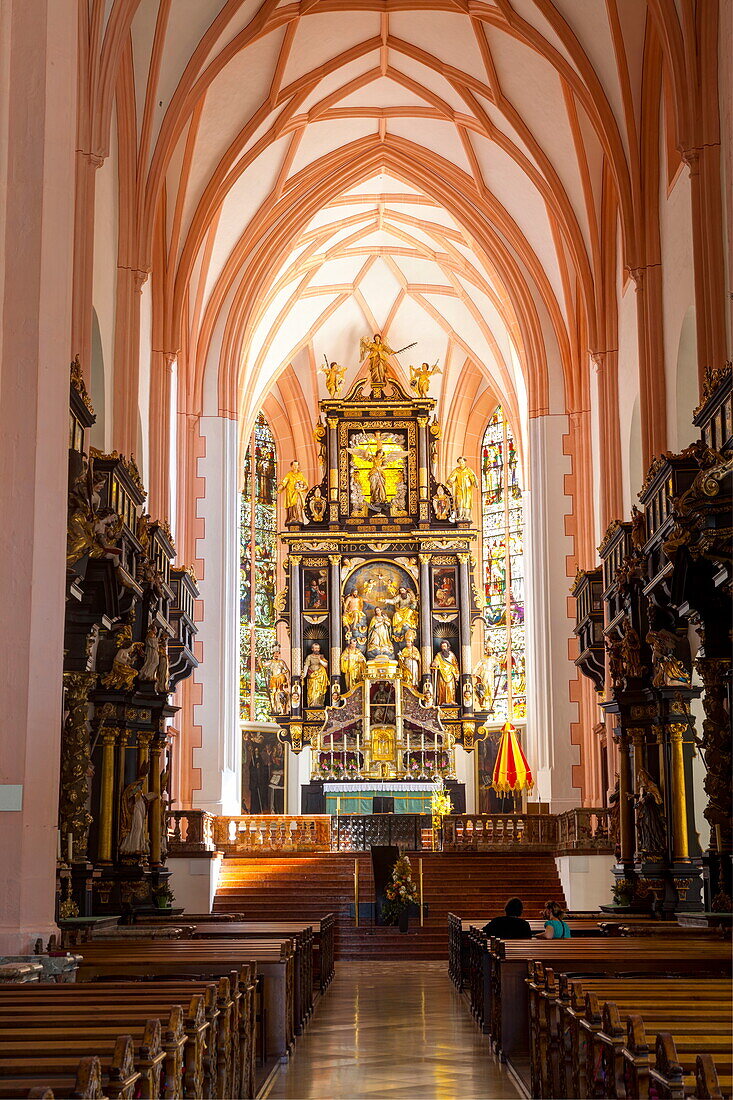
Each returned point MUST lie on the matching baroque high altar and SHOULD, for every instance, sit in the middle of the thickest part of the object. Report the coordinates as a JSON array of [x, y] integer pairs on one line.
[[380, 595]]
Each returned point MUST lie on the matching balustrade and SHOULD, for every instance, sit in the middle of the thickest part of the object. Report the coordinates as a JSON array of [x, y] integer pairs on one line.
[[584, 829], [190, 831], [581, 829], [257, 833]]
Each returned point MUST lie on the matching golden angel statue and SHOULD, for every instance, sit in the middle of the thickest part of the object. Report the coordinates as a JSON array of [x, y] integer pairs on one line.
[[420, 378], [334, 377], [379, 461]]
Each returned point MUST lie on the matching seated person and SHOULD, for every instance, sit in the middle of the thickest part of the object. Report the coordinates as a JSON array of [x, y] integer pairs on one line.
[[555, 926], [511, 926]]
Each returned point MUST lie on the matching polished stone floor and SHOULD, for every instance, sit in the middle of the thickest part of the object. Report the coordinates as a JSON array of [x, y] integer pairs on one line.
[[392, 1030]]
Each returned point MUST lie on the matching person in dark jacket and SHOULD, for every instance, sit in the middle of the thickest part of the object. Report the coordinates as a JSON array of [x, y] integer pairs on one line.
[[511, 926]]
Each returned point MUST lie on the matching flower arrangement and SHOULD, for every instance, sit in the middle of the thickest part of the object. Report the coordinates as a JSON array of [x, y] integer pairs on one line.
[[401, 891]]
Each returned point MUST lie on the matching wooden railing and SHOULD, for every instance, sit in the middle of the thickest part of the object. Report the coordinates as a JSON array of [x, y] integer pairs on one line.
[[190, 831], [253, 833], [584, 829]]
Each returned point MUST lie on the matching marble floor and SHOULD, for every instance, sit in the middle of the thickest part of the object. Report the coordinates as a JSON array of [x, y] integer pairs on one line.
[[393, 1030]]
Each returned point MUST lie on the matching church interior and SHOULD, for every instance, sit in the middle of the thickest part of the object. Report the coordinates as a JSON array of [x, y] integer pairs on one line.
[[366, 487]]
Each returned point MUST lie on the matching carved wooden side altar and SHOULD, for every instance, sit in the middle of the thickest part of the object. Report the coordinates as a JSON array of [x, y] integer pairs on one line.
[[128, 643], [380, 595]]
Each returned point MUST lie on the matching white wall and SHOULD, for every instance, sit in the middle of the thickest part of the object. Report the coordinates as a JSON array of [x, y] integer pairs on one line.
[[194, 881], [586, 880], [104, 278], [218, 714], [549, 669]]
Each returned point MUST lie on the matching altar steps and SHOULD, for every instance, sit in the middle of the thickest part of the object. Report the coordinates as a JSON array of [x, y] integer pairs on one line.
[[304, 888]]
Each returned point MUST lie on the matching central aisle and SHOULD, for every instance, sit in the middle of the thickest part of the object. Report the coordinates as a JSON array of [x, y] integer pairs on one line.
[[392, 1030]]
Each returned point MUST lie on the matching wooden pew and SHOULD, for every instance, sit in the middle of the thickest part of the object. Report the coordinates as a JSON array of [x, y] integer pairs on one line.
[[196, 1045], [85, 1084], [507, 964], [272, 959], [675, 1075], [119, 1077], [576, 1041]]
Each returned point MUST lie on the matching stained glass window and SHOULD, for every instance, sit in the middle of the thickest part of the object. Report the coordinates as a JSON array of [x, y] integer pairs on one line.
[[503, 565], [257, 567]]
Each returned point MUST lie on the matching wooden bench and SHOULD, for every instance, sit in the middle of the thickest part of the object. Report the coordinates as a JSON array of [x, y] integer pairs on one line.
[[205, 1046], [272, 959], [507, 1014], [578, 1044], [118, 1080], [85, 1084]]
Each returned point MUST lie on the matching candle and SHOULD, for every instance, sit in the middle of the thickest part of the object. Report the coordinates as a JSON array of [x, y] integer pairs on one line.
[[69, 847]]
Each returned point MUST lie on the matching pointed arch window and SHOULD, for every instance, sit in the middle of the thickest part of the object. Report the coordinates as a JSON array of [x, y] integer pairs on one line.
[[257, 570], [502, 517]]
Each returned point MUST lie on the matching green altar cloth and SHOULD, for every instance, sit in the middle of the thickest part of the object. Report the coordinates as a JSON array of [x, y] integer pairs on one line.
[[412, 802]]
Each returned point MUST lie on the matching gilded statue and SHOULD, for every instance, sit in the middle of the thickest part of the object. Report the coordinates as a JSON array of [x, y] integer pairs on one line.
[[420, 378], [638, 529], [405, 613], [668, 669], [162, 676], [319, 438], [318, 505], [315, 670], [409, 660], [295, 487], [379, 461], [123, 672], [445, 667], [353, 665], [278, 683], [377, 354], [334, 377], [134, 801], [354, 618], [462, 481], [442, 504], [379, 636]]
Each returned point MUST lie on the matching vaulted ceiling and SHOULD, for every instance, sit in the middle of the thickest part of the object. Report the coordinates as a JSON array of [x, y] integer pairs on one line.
[[441, 171]]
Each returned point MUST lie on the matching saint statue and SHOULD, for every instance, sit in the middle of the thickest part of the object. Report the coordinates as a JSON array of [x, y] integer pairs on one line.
[[278, 683], [445, 667], [405, 613], [295, 487], [669, 671], [151, 657], [409, 660], [462, 482], [651, 828], [162, 676], [315, 670], [631, 651], [353, 665], [334, 377], [123, 672], [134, 800], [420, 378], [354, 618], [377, 354], [379, 637]]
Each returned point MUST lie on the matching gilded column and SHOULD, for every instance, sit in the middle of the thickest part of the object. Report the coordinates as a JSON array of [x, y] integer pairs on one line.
[[426, 647], [296, 626], [678, 794], [335, 641], [422, 458], [636, 738], [74, 816], [464, 588], [156, 810], [333, 471], [106, 794], [120, 777]]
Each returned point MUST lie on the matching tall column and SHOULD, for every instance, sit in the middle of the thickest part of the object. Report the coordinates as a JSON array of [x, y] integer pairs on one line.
[[426, 647], [464, 588], [625, 806], [296, 624], [156, 810], [38, 60], [106, 795], [678, 794], [334, 660]]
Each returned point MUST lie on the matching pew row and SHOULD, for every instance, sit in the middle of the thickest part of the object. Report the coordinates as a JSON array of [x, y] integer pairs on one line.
[[588, 1037], [273, 961]]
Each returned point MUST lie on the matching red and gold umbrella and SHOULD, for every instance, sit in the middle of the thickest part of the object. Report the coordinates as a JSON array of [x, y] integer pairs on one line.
[[511, 771]]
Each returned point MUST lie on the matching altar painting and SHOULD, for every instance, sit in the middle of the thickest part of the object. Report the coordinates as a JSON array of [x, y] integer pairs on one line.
[[315, 589], [264, 772]]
